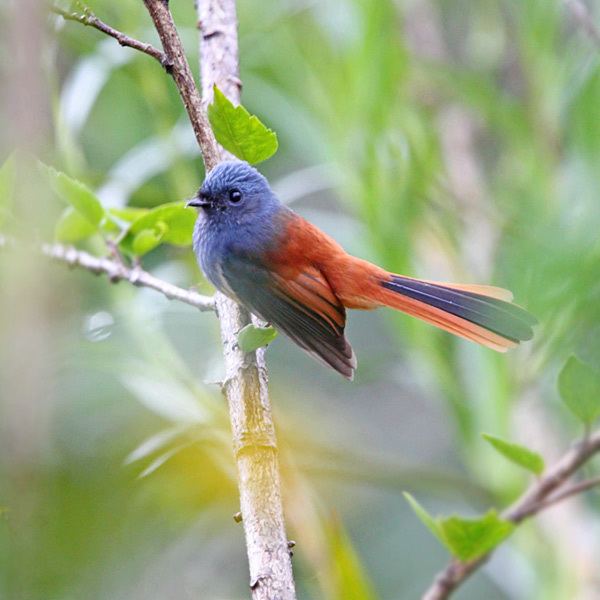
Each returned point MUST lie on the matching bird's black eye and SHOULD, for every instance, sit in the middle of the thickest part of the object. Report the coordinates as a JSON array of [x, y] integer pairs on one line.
[[235, 196]]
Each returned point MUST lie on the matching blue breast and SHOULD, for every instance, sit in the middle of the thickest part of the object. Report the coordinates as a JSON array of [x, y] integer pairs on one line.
[[216, 239]]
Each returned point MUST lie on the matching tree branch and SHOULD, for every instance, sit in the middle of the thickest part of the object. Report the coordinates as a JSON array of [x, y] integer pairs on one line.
[[541, 494], [245, 386], [119, 272], [246, 374], [89, 19], [182, 75], [573, 490]]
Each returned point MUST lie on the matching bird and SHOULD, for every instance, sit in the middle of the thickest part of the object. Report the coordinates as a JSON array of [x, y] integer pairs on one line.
[[288, 272]]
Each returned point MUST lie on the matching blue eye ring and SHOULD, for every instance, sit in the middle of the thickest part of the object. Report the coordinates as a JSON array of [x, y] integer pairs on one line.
[[235, 196]]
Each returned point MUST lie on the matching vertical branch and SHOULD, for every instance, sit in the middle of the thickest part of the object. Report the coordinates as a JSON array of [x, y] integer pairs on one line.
[[245, 386], [217, 22]]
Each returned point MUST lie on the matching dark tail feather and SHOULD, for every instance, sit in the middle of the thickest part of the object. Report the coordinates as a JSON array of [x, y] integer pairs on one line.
[[474, 312]]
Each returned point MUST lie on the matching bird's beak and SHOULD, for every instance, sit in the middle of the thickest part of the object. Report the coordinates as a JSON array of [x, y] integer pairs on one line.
[[198, 202]]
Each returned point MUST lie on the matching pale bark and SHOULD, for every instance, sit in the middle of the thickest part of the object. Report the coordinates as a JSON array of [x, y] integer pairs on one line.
[[245, 386]]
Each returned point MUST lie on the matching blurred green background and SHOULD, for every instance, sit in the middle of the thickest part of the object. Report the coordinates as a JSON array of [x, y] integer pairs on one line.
[[447, 139]]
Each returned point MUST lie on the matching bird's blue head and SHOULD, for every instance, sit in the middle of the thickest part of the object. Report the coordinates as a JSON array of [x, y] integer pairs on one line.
[[234, 192]]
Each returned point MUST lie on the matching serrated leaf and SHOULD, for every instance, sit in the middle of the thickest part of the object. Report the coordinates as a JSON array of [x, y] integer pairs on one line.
[[466, 539], [579, 387], [471, 538], [77, 194], [148, 239], [520, 455], [72, 227], [7, 187], [239, 132], [251, 337]]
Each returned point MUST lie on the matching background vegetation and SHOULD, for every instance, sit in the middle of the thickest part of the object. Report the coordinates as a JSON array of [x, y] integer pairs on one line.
[[451, 140]]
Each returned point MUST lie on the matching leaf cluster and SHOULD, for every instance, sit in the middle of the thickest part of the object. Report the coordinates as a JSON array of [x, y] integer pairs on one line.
[[137, 231], [470, 538]]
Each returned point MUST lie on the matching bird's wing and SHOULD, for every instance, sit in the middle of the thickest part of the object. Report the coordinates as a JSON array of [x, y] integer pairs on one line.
[[303, 306]]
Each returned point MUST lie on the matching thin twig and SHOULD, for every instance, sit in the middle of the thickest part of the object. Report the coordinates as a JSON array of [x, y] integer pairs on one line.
[[89, 19], [182, 75], [120, 272], [573, 490], [543, 493], [172, 58]]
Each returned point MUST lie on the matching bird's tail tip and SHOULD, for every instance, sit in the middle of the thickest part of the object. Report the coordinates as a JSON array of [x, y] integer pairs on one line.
[[483, 314]]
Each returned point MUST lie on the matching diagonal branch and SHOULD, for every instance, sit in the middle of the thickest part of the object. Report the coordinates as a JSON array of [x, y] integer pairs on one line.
[[182, 74], [89, 19], [134, 275], [119, 272], [543, 493], [172, 58], [572, 490]]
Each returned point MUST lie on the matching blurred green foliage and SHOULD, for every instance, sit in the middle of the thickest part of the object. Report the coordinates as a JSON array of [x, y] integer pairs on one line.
[[444, 139], [579, 387]]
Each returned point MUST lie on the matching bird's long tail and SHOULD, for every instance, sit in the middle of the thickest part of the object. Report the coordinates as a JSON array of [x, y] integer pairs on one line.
[[483, 314]]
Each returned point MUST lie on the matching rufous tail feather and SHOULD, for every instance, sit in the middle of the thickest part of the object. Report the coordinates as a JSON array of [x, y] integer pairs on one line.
[[479, 313]]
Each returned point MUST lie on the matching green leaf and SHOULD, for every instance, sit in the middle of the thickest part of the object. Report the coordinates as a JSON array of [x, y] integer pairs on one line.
[[148, 239], [7, 187], [118, 220], [466, 539], [240, 132], [72, 227], [129, 214], [251, 337], [471, 538], [78, 195], [520, 455], [423, 515], [579, 387], [173, 222], [111, 226]]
